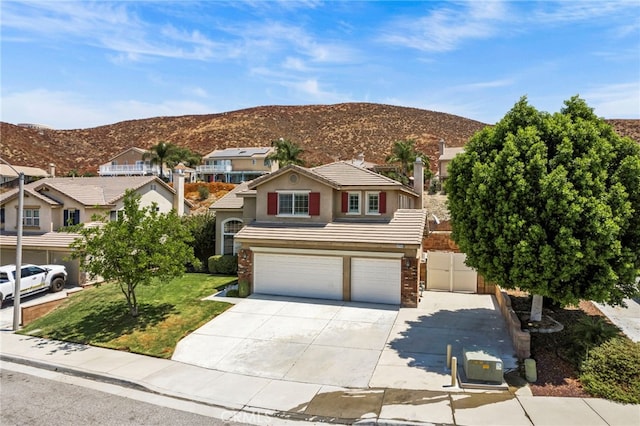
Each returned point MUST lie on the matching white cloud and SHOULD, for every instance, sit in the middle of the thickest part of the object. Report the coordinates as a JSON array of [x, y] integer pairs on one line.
[[615, 100], [311, 90], [484, 85], [110, 26], [68, 110], [446, 28]]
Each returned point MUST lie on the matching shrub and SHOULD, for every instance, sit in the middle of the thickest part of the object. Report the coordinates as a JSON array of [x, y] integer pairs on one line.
[[612, 371], [232, 293], [243, 288], [588, 333], [226, 264], [203, 229], [203, 192]]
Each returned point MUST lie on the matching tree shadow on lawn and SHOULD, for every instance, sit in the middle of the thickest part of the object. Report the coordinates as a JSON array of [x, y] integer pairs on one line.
[[113, 320]]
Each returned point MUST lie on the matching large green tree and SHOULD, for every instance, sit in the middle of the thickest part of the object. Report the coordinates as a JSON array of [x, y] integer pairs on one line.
[[138, 247], [287, 152], [180, 154], [550, 203]]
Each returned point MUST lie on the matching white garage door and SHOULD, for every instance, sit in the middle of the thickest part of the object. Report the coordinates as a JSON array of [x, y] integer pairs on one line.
[[296, 275], [447, 271], [375, 280]]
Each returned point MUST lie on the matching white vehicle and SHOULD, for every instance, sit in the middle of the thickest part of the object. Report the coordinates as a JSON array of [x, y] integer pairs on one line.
[[33, 279]]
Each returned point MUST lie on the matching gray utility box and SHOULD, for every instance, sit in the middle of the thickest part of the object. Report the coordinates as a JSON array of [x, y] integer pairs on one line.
[[482, 366]]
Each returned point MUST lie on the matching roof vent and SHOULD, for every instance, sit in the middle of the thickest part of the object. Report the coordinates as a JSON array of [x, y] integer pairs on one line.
[[293, 178]]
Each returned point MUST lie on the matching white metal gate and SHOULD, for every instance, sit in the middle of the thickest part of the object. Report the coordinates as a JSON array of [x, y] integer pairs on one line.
[[446, 271]]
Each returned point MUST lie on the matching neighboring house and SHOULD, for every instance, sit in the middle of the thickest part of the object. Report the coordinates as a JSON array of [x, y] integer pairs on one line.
[[9, 177], [236, 165], [52, 203], [130, 162], [336, 231], [446, 155]]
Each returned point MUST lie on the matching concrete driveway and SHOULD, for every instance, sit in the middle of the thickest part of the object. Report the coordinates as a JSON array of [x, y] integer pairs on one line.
[[346, 344]]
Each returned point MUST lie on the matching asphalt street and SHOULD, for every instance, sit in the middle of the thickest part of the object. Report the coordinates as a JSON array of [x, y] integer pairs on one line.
[[27, 399]]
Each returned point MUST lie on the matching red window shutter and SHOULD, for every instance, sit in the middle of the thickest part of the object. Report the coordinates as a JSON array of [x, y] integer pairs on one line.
[[272, 203], [314, 204], [383, 202], [345, 202]]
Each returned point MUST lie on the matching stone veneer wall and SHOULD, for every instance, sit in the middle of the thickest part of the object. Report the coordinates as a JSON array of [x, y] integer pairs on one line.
[[409, 284], [245, 267], [521, 339]]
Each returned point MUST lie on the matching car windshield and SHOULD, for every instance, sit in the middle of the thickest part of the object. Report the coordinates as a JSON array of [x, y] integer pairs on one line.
[[3, 277]]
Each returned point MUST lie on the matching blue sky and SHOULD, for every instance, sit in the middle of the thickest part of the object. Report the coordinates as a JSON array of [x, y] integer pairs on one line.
[[84, 64]]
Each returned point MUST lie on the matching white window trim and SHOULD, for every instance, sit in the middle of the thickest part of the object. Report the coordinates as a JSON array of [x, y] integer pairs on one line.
[[299, 192], [377, 194], [32, 217], [222, 234], [349, 194]]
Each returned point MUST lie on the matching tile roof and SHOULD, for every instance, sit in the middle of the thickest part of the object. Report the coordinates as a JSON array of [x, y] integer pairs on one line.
[[238, 152], [406, 227], [345, 174], [48, 240], [338, 175], [5, 170], [28, 192], [92, 191], [231, 199]]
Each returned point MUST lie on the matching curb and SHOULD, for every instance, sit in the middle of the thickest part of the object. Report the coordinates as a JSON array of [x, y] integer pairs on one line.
[[281, 415]]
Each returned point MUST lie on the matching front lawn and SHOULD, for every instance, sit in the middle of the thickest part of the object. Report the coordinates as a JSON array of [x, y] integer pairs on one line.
[[167, 312]]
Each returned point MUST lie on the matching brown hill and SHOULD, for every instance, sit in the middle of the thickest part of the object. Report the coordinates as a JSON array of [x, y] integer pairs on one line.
[[326, 133]]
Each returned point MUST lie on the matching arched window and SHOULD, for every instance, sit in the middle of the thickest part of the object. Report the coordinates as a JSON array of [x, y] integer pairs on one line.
[[229, 228]]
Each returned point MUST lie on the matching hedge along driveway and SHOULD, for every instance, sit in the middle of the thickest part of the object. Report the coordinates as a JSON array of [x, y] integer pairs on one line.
[[168, 312]]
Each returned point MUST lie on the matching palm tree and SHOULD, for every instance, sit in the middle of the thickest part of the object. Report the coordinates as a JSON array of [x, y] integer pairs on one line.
[[158, 154], [404, 152], [286, 153]]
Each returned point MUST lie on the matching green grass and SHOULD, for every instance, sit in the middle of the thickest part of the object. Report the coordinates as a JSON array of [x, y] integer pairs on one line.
[[167, 312]]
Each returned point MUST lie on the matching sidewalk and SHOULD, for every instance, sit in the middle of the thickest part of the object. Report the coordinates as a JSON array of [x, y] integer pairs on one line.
[[268, 401]]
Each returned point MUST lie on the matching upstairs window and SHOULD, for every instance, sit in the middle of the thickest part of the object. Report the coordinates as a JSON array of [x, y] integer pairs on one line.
[[71, 217], [376, 203], [353, 203], [373, 203], [293, 203], [31, 217]]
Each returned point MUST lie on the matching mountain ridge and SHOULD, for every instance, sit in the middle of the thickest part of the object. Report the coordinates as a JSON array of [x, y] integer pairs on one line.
[[326, 133]]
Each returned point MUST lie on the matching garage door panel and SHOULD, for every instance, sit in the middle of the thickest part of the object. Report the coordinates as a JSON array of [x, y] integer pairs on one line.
[[375, 280], [298, 275]]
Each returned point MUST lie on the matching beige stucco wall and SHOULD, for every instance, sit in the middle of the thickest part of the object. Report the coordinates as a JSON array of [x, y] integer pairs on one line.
[[221, 217], [47, 218], [393, 198], [128, 157], [282, 183], [246, 164]]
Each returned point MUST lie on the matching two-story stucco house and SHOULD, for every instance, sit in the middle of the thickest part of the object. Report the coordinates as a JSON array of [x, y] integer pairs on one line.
[[336, 231], [130, 162], [52, 203], [236, 165]]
